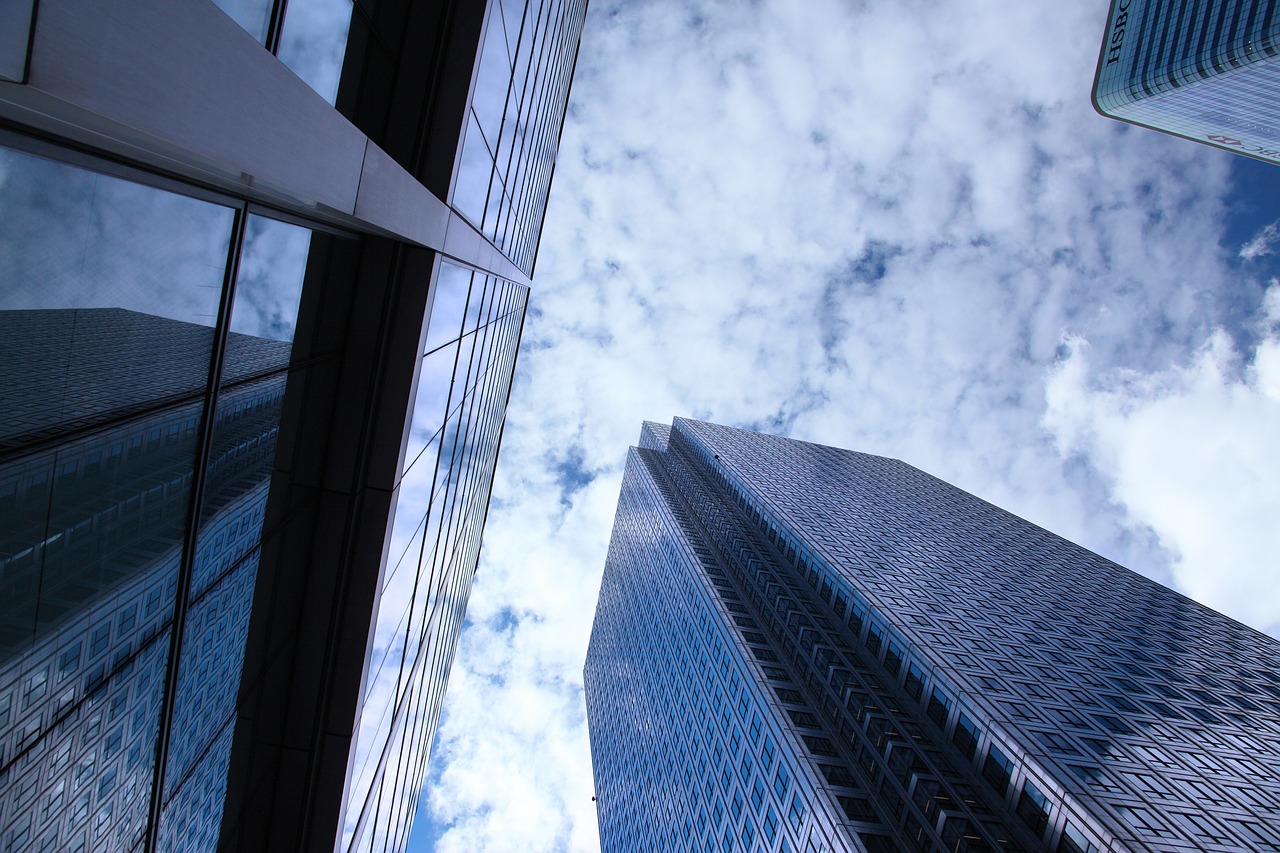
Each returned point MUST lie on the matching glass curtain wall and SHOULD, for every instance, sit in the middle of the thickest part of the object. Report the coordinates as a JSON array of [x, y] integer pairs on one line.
[[466, 370], [144, 340], [513, 125], [308, 36]]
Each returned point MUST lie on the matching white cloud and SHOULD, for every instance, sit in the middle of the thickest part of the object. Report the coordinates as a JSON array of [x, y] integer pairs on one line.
[[861, 224], [1193, 455], [1263, 243]]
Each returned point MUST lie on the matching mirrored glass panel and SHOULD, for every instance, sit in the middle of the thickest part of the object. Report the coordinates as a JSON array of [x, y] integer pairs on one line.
[[108, 294], [313, 42], [237, 478], [513, 126], [434, 546]]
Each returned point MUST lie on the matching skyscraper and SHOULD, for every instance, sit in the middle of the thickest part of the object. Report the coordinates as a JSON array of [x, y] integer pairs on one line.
[[263, 273], [799, 648], [1206, 70]]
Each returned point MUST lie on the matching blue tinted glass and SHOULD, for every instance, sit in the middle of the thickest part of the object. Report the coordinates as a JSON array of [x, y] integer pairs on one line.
[[246, 421], [313, 42], [109, 293]]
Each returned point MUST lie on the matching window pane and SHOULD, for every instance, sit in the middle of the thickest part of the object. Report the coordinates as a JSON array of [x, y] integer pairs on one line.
[[313, 42], [108, 294], [242, 454]]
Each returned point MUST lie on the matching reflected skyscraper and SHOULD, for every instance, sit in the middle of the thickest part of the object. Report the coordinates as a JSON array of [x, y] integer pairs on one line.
[[263, 272], [1206, 70], [800, 648]]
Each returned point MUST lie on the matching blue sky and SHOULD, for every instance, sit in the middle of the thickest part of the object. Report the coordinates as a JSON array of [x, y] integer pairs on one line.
[[898, 228]]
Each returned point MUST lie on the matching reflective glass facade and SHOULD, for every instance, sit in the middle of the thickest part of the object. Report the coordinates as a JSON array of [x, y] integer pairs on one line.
[[513, 125], [783, 623], [434, 546], [1207, 70], [253, 375]]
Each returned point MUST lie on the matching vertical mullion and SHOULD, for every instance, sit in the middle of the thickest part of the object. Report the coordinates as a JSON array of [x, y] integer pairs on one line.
[[186, 565], [275, 26]]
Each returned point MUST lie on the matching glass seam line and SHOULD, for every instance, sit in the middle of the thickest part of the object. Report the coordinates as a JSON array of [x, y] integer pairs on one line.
[[186, 566]]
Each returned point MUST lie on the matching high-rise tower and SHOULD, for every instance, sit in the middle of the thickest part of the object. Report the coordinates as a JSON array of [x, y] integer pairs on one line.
[[799, 648], [263, 273], [1206, 70]]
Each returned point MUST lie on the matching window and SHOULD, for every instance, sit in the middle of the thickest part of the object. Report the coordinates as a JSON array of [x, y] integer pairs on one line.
[[997, 769], [875, 638], [838, 775], [1145, 821], [803, 719], [770, 824], [915, 681], [857, 808], [781, 782], [966, 736], [819, 745], [893, 659], [1200, 827], [939, 705], [1074, 841], [767, 753], [1033, 808], [796, 814]]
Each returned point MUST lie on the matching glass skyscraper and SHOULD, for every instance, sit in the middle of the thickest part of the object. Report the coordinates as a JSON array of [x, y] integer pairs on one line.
[[1207, 70], [263, 273], [799, 648]]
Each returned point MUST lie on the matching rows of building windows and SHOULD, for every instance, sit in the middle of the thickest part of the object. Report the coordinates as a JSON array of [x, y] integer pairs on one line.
[[1056, 717], [864, 746], [670, 701]]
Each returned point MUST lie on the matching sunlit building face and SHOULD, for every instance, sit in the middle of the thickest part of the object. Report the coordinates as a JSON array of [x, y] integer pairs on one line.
[[262, 282], [801, 648]]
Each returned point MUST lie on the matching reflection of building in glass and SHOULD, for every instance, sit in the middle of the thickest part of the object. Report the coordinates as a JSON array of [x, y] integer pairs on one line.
[[1207, 70], [804, 648], [255, 351], [92, 548]]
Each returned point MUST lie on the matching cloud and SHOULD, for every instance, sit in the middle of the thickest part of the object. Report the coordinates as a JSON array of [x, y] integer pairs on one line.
[[1263, 243], [1192, 454], [867, 225]]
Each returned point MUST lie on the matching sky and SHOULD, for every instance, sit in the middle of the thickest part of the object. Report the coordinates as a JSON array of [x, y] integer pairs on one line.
[[898, 228]]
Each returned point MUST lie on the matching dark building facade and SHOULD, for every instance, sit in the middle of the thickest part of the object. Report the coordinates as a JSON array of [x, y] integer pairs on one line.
[[1206, 70], [263, 273], [800, 648]]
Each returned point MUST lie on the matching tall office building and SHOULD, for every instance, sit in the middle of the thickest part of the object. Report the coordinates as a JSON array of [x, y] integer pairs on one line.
[[1206, 70], [263, 272], [799, 648]]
